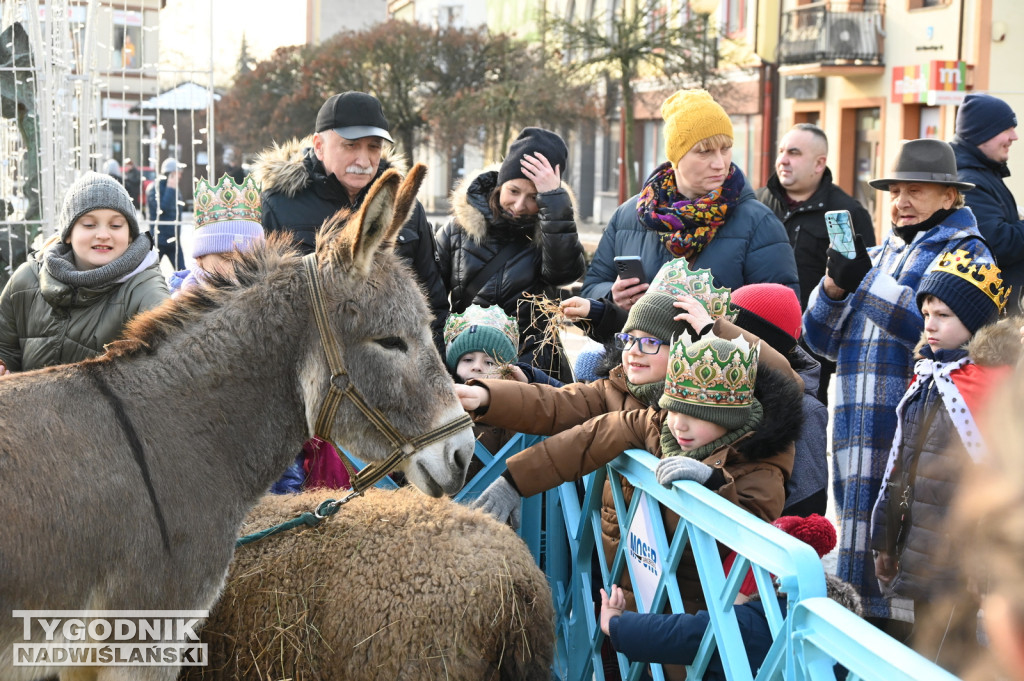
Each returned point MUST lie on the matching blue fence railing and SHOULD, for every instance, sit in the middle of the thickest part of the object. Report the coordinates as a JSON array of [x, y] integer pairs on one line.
[[563, 530]]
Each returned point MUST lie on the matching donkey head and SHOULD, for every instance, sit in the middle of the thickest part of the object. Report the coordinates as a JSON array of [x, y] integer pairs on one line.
[[380, 319]]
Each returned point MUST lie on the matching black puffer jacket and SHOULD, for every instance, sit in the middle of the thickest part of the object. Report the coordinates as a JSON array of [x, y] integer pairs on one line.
[[805, 225], [547, 250], [299, 195], [995, 209]]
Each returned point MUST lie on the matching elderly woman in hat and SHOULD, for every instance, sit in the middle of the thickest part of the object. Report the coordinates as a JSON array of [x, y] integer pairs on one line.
[[864, 316], [696, 205], [513, 231]]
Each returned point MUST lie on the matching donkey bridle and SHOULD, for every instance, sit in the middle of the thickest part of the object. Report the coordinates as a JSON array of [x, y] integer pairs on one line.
[[403, 447]]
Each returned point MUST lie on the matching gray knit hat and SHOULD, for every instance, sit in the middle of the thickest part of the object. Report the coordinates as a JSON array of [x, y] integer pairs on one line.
[[654, 313], [92, 191]]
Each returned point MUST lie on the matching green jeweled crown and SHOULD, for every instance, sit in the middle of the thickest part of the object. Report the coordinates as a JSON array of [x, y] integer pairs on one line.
[[227, 200], [713, 371], [676, 278], [476, 315]]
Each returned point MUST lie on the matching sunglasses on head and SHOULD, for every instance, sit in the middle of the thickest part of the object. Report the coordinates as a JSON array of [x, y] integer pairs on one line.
[[648, 346]]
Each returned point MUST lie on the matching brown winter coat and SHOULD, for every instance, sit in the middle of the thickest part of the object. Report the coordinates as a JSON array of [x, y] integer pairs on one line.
[[591, 424], [756, 467], [540, 409]]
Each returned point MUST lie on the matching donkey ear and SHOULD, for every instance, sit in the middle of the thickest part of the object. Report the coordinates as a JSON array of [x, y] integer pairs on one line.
[[406, 200], [362, 233]]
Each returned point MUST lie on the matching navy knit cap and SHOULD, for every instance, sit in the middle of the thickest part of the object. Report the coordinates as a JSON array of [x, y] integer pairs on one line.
[[965, 296], [981, 117], [481, 338], [532, 141]]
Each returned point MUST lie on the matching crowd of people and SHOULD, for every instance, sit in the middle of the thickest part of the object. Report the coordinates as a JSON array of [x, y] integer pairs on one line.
[[718, 346]]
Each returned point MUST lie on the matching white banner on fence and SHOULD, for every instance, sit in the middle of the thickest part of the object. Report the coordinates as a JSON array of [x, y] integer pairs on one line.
[[643, 556]]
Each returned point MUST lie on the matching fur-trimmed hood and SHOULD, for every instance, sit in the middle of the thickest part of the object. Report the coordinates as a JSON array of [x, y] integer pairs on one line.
[[997, 344], [290, 167], [470, 203], [781, 425]]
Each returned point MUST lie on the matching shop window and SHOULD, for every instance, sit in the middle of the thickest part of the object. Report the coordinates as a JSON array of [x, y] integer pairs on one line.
[[127, 40]]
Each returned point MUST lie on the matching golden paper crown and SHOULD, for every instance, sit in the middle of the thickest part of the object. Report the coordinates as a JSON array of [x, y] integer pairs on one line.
[[227, 200], [987, 278]]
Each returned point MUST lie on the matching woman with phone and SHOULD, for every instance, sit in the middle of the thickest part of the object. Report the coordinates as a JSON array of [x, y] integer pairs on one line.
[[697, 205], [864, 316], [513, 231]]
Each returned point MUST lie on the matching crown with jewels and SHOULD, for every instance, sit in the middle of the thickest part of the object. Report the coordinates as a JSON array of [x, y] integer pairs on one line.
[[475, 315], [226, 201], [987, 278], [712, 372], [676, 278]]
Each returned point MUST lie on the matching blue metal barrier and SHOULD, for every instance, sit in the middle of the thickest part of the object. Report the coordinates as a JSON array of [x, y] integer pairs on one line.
[[563, 529]]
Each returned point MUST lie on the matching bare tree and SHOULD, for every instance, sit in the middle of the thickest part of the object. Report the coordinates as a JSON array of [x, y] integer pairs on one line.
[[643, 40]]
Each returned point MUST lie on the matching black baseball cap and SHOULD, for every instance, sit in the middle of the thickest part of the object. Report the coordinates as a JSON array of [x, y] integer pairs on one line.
[[353, 115]]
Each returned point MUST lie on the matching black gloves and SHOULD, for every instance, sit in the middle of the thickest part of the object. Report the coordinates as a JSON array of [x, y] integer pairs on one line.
[[847, 273]]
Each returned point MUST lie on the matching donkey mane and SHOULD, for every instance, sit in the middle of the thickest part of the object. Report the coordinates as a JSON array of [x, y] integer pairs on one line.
[[145, 332]]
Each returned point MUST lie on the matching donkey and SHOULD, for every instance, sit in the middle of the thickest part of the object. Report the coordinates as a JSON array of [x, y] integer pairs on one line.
[[126, 478]]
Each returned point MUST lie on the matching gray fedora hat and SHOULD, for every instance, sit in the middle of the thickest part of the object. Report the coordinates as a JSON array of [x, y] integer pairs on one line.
[[925, 160]]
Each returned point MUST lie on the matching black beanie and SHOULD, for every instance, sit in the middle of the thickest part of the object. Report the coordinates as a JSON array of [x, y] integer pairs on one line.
[[981, 117], [532, 141]]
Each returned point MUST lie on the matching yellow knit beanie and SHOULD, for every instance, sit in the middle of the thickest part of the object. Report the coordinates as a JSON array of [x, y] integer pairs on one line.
[[691, 116]]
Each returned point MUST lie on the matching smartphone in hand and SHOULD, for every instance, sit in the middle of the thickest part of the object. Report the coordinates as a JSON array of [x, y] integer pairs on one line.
[[840, 232], [630, 267]]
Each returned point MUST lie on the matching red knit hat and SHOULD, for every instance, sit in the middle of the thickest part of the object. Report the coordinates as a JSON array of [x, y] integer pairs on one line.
[[767, 309], [815, 530]]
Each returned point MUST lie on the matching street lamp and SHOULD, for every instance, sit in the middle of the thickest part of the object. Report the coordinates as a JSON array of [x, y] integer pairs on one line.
[[704, 8]]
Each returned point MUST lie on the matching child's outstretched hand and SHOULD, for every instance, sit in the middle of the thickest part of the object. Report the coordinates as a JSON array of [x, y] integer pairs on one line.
[[611, 606], [693, 313], [516, 373], [472, 397], [575, 308]]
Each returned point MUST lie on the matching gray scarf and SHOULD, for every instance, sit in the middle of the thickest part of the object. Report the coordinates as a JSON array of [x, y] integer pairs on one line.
[[59, 261]]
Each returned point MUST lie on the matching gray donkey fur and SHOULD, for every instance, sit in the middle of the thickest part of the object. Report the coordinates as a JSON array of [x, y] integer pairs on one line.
[[126, 478]]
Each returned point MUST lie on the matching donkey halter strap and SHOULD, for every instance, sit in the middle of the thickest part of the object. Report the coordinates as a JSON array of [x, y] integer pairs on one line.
[[404, 448]]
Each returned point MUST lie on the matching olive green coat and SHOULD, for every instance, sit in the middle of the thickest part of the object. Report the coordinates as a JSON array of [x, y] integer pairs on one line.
[[44, 322]]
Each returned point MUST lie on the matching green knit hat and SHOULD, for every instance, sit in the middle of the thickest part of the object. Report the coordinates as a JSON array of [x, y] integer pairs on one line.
[[481, 329], [712, 380], [653, 313]]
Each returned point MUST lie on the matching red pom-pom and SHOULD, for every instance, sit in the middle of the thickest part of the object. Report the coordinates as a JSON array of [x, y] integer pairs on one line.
[[815, 530]]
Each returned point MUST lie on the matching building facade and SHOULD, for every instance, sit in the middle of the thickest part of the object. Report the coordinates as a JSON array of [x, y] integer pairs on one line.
[[872, 74]]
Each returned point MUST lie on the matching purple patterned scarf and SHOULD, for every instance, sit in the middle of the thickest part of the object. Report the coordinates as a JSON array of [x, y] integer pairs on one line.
[[686, 226]]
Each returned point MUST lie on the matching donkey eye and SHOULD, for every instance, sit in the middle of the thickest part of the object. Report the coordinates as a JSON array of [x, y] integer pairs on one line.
[[393, 343]]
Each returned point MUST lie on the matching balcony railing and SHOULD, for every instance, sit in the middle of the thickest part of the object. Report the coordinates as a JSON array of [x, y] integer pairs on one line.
[[833, 33]]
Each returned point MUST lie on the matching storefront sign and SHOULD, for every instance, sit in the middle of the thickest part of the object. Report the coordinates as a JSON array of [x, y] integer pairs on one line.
[[643, 557], [933, 83]]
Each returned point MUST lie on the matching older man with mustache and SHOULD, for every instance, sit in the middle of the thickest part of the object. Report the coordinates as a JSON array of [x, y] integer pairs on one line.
[[306, 181]]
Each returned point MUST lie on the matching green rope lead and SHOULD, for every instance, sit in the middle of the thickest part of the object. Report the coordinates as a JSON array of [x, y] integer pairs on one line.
[[309, 518]]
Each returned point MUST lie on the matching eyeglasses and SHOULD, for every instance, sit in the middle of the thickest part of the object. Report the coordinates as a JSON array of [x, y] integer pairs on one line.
[[648, 346]]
